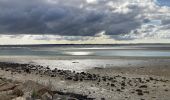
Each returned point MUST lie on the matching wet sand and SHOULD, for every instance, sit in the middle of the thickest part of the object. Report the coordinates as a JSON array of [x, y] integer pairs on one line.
[[142, 82]]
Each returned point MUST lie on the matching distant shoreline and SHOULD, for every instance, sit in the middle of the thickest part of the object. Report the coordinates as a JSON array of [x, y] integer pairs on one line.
[[84, 44]]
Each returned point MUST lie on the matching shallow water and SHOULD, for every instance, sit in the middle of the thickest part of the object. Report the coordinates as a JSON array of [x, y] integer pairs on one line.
[[88, 50]]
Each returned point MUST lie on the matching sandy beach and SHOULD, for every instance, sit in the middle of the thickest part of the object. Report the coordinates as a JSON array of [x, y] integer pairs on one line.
[[84, 49], [109, 79]]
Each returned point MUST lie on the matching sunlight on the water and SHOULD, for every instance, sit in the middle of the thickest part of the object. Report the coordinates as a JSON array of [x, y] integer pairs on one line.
[[80, 53]]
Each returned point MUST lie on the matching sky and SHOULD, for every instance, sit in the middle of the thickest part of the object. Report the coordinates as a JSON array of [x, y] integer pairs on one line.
[[84, 21]]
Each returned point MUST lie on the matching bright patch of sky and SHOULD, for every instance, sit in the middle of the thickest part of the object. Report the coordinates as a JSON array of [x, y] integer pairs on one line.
[[163, 2]]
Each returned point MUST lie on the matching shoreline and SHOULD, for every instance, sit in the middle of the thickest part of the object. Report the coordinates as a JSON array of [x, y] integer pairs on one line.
[[107, 83], [80, 65], [78, 57]]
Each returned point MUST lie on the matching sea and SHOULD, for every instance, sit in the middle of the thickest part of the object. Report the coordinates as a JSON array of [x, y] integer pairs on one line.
[[83, 57], [102, 50]]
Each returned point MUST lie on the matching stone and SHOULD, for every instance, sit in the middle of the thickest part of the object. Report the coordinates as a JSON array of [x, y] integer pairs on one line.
[[140, 93], [143, 86], [19, 98], [18, 92], [112, 85], [46, 96]]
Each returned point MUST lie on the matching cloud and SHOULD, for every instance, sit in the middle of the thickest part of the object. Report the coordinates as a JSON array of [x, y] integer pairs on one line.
[[120, 19]]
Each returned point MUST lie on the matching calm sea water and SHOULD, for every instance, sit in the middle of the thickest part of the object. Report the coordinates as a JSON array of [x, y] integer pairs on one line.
[[88, 50]]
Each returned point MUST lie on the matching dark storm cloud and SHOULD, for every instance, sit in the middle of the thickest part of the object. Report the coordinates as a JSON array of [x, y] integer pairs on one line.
[[166, 21], [65, 17]]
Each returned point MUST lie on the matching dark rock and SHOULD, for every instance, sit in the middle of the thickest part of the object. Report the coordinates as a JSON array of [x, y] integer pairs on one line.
[[114, 81], [53, 75], [48, 68], [81, 79], [75, 62], [104, 78], [122, 88], [102, 98], [138, 90], [99, 80], [146, 92], [123, 77], [118, 90], [69, 78], [132, 92], [166, 90], [143, 86], [147, 80], [140, 93], [27, 70], [17, 92], [123, 84], [112, 85], [151, 78]]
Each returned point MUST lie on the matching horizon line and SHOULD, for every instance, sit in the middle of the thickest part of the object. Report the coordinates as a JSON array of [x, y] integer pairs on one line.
[[83, 44]]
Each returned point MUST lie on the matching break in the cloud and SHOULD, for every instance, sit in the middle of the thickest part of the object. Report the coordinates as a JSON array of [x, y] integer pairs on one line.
[[85, 19]]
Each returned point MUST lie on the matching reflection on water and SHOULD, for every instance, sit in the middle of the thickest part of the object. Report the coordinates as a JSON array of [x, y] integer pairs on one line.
[[108, 51], [79, 53]]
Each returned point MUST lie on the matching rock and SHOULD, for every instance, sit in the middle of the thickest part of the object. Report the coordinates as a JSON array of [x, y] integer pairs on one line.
[[72, 98], [53, 75], [59, 97], [147, 80], [166, 90], [112, 85], [146, 92], [138, 90], [132, 92], [118, 90], [102, 98], [46, 96], [122, 88], [140, 93], [143, 86], [123, 77], [27, 70], [69, 78], [104, 78], [75, 79], [43, 91], [19, 98], [81, 79], [151, 78], [17, 92], [7, 86], [75, 62], [123, 84]]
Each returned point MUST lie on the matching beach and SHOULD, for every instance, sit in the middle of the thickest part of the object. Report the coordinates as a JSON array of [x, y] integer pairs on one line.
[[84, 49], [119, 78]]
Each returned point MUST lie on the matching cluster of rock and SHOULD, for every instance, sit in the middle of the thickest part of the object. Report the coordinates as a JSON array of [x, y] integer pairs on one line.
[[116, 83]]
